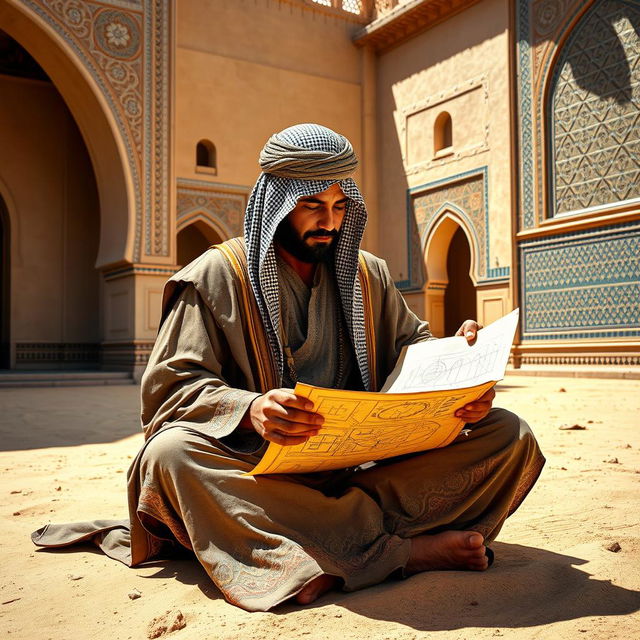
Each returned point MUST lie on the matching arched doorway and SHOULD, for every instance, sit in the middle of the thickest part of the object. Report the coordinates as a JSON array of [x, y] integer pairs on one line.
[[460, 294], [450, 258], [5, 280], [50, 285], [84, 100], [194, 239]]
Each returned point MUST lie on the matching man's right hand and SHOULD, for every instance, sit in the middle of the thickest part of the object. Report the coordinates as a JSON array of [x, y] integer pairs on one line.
[[282, 417]]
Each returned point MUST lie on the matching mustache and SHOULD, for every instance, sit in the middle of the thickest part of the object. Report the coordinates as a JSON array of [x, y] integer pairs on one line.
[[321, 233]]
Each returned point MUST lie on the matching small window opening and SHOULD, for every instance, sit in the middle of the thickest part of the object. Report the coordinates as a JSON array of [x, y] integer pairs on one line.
[[206, 157], [443, 135]]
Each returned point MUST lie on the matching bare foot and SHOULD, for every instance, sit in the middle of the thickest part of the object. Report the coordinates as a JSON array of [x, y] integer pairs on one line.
[[447, 550], [316, 588]]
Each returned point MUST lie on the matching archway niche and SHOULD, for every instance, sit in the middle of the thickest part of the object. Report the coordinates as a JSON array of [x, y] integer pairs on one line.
[[96, 124], [194, 239], [50, 286], [460, 294], [450, 290], [442, 134], [206, 157]]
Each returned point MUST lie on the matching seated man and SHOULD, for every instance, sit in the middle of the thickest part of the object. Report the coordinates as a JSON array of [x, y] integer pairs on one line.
[[296, 300]]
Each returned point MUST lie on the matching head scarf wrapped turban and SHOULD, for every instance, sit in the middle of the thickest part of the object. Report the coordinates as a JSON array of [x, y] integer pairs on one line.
[[301, 161]]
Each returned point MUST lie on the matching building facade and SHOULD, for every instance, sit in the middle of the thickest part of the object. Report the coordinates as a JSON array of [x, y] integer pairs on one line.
[[499, 144]]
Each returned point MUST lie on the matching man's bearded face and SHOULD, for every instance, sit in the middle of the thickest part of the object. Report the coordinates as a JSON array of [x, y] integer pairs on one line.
[[309, 232]]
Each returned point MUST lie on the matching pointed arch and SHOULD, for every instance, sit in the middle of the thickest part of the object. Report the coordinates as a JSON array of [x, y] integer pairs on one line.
[[439, 236], [208, 222], [196, 233]]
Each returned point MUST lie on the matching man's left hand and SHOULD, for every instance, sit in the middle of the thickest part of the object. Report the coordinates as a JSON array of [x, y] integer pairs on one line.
[[469, 330], [478, 409]]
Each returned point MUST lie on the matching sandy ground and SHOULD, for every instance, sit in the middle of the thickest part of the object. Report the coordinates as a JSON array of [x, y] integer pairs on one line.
[[64, 454]]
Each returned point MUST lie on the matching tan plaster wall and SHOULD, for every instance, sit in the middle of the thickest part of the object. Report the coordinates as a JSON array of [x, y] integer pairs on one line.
[[460, 66], [54, 216], [240, 80]]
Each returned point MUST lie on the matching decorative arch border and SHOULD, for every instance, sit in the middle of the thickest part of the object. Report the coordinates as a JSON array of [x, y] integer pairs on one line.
[[221, 206], [207, 218], [131, 69], [450, 212], [467, 194]]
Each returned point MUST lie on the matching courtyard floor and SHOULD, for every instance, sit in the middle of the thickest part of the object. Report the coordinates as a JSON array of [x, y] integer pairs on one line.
[[64, 454]]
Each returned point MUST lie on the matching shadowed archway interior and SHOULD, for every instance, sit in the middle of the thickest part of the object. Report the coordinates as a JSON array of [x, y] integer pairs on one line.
[[50, 190], [194, 240], [5, 280], [460, 295]]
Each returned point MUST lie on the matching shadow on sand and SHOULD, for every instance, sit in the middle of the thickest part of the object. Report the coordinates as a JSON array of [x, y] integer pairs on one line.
[[42, 417], [525, 587]]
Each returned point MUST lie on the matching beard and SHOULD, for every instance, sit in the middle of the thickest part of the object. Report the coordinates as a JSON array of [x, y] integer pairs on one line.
[[289, 239]]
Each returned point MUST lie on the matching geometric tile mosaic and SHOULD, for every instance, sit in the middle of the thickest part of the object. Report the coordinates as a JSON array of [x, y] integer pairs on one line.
[[584, 284], [595, 110]]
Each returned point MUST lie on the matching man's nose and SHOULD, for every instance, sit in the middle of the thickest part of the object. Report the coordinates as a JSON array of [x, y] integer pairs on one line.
[[328, 219]]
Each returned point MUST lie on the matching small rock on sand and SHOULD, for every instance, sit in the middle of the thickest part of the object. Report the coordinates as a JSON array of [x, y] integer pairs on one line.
[[614, 546], [573, 427], [613, 461], [169, 622], [134, 594]]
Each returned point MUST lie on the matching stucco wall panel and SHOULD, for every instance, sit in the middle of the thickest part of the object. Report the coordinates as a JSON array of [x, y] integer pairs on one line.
[[238, 105], [434, 68], [274, 34]]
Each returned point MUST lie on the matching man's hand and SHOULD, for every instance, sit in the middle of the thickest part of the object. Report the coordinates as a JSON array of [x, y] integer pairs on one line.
[[477, 410], [284, 418], [469, 330]]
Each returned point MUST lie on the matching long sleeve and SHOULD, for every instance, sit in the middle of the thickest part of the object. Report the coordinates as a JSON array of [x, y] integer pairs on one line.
[[395, 324], [191, 372]]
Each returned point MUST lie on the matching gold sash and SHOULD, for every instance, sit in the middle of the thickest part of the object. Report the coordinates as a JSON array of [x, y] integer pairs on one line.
[[263, 363]]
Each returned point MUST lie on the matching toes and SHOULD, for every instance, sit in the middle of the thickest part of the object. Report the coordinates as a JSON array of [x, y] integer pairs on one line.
[[475, 541], [306, 598], [308, 595]]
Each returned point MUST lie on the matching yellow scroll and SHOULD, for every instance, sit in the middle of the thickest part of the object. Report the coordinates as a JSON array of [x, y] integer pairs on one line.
[[361, 426]]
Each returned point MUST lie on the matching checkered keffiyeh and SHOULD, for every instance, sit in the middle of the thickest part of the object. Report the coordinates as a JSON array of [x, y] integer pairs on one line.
[[323, 156]]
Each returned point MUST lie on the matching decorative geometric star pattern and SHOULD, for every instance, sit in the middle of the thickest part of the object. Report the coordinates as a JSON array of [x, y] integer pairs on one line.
[[596, 110], [583, 281]]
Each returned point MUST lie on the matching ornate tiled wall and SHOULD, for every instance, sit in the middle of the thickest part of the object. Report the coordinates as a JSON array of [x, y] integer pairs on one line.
[[465, 194], [221, 206], [594, 112], [582, 285], [579, 117], [125, 47]]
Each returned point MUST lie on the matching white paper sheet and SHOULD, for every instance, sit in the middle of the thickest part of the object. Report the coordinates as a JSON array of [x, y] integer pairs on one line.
[[450, 363]]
